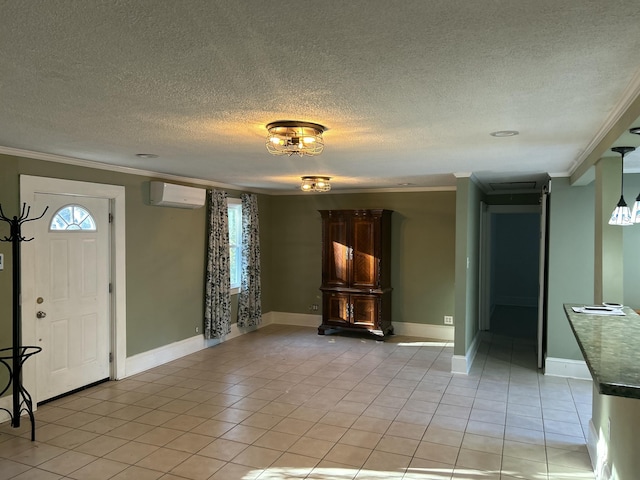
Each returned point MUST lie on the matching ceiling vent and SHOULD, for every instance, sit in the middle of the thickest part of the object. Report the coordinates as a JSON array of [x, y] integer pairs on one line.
[[511, 186]]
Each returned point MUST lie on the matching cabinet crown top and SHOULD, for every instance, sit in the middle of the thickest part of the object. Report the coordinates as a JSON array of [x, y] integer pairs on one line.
[[362, 211]]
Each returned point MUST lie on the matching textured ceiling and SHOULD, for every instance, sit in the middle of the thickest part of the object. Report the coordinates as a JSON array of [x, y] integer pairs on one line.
[[409, 90]]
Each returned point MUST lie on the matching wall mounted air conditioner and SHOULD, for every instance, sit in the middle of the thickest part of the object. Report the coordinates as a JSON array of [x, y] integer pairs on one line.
[[170, 195]]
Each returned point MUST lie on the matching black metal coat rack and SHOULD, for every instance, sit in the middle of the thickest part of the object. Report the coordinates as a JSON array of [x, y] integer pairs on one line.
[[18, 353]]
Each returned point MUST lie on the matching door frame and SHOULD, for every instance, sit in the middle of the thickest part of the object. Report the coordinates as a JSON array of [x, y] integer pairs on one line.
[[543, 275], [29, 186], [484, 319]]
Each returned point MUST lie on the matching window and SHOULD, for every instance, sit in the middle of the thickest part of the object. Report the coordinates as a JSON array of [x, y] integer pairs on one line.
[[72, 217], [234, 206]]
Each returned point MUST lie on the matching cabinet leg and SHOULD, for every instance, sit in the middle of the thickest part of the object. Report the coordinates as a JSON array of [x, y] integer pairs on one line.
[[321, 329]]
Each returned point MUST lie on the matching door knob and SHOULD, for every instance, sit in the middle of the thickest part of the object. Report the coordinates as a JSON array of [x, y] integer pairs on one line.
[[41, 314]]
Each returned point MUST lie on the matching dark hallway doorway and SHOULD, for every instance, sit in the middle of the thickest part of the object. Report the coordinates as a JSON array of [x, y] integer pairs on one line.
[[514, 274]]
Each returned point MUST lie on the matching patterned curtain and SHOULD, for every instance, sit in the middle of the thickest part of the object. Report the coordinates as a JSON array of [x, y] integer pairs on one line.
[[249, 306], [217, 304]]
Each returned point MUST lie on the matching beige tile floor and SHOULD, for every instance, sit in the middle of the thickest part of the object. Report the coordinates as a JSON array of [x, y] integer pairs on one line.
[[285, 403]]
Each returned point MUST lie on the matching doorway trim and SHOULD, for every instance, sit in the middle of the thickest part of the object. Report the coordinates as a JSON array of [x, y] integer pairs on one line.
[[484, 322], [488, 213], [29, 186]]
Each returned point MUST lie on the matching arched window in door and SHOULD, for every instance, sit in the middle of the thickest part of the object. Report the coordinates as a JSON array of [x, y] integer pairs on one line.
[[72, 217]]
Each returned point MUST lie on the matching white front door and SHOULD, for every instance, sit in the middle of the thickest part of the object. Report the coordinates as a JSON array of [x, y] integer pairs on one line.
[[71, 292]]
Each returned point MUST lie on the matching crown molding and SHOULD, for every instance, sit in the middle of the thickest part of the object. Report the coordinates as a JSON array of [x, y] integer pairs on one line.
[[618, 120], [365, 190], [78, 162]]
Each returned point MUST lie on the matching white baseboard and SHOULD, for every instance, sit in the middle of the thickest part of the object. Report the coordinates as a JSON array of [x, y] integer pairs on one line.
[[167, 353], [462, 363], [297, 319], [564, 367], [425, 330], [438, 332]]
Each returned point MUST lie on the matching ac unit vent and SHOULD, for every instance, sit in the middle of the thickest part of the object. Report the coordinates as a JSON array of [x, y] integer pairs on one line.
[[164, 194]]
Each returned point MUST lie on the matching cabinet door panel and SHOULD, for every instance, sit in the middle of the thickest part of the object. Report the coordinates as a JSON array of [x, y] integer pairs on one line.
[[336, 308], [336, 247], [365, 310], [364, 261]]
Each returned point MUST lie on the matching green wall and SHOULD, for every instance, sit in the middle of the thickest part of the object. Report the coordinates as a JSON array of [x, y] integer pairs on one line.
[[467, 262], [433, 234], [608, 254], [631, 245], [571, 265], [422, 243], [165, 255]]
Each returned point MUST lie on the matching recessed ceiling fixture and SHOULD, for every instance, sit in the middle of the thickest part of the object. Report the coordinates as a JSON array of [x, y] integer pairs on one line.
[[504, 133], [621, 214], [288, 137], [146, 155], [315, 184]]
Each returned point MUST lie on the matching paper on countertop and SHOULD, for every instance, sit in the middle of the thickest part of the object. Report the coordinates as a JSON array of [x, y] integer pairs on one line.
[[599, 310]]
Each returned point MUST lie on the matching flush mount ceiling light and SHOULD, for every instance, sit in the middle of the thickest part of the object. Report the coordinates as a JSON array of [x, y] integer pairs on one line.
[[146, 155], [621, 214], [289, 137], [635, 130], [315, 184], [504, 133]]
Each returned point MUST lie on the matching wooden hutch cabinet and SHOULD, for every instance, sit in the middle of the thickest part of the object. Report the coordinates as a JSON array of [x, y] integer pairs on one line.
[[356, 270]]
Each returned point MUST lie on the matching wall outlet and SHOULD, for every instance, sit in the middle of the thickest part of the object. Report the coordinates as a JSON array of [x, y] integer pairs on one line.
[[448, 320], [197, 329], [313, 307], [1, 261]]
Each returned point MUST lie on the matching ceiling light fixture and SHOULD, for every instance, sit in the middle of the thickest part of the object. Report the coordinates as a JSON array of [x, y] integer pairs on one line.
[[635, 130], [621, 214], [504, 133], [146, 155], [315, 184], [288, 137]]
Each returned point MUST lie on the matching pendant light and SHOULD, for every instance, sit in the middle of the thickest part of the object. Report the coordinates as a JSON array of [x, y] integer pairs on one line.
[[635, 211], [621, 214]]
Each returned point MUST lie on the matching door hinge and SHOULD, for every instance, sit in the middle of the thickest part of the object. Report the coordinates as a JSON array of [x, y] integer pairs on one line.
[[110, 218], [110, 287], [110, 357]]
